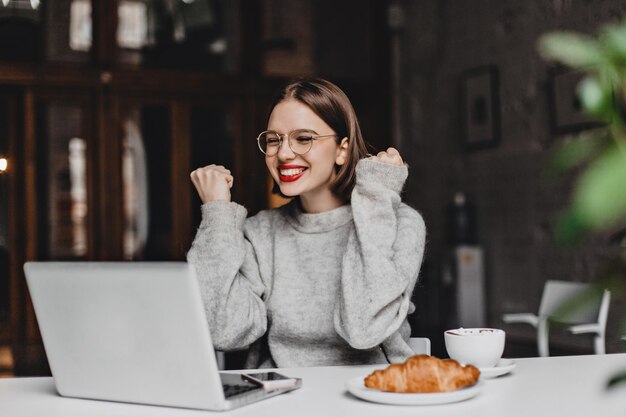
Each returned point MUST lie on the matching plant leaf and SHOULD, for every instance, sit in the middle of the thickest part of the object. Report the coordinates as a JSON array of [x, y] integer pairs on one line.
[[600, 198], [614, 38], [581, 303], [616, 380], [571, 226], [572, 49], [596, 98], [576, 151]]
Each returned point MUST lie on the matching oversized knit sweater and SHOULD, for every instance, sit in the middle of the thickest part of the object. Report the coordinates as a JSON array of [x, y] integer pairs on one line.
[[301, 289]]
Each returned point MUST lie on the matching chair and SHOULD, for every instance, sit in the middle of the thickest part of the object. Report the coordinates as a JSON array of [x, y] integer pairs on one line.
[[420, 345], [590, 317], [220, 357]]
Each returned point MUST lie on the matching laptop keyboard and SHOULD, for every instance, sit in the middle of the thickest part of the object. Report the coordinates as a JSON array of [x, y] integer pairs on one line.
[[236, 389]]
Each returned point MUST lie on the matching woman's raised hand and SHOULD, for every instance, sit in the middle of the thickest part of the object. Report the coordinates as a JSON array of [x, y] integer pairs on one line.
[[390, 156], [213, 182]]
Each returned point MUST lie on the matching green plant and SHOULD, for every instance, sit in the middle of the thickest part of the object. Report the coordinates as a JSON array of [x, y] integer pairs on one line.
[[599, 200]]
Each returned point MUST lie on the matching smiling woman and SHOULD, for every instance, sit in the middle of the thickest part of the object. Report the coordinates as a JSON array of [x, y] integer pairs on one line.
[[299, 166], [327, 278]]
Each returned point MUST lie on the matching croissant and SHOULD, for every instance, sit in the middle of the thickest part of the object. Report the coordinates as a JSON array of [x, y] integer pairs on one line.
[[422, 374]]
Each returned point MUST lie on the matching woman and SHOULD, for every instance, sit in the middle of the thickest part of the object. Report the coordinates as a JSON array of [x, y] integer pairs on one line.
[[327, 278]]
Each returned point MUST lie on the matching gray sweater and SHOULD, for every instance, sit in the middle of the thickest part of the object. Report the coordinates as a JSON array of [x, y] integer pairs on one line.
[[302, 289]]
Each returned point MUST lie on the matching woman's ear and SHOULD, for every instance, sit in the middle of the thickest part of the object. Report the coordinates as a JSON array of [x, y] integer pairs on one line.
[[342, 152]]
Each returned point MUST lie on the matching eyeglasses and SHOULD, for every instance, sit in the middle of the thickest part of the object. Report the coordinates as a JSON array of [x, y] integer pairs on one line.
[[300, 141]]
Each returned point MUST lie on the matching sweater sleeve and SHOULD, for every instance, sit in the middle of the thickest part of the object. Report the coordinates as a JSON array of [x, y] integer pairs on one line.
[[228, 273], [383, 258]]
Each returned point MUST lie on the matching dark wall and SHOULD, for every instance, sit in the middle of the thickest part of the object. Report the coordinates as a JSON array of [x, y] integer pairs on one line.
[[517, 205]]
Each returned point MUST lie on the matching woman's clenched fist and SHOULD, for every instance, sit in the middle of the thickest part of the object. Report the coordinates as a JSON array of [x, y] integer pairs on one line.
[[213, 182]]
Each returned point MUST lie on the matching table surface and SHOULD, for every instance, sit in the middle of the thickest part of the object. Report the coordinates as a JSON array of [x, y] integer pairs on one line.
[[555, 386]]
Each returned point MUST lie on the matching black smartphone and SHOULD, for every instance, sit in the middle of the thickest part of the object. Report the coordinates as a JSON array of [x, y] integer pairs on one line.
[[270, 380]]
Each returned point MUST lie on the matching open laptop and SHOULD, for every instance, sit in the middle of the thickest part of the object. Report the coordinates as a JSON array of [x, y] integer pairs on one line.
[[132, 332]]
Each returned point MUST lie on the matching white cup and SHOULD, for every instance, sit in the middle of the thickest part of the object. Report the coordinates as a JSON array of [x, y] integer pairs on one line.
[[480, 347]]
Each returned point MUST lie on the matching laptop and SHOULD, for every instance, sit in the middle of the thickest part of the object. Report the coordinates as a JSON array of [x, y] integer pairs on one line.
[[133, 332]]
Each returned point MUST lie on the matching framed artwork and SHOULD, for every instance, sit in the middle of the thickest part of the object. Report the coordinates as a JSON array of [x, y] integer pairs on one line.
[[566, 112], [480, 107]]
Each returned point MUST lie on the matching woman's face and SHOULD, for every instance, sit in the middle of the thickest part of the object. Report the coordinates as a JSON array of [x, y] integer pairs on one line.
[[309, 175]]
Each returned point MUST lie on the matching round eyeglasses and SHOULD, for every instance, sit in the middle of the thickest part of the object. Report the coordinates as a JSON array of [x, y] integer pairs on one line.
[[300, 141]]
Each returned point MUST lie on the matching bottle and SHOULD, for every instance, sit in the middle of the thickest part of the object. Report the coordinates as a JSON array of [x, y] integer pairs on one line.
[[461, 221]]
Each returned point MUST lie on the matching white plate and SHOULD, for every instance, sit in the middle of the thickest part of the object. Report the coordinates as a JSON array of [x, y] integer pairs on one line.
[[503, 367], [357, 388]]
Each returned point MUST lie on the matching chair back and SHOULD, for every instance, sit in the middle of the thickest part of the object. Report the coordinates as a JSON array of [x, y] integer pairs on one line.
[[603, 315], [588, 310], [420, 345]]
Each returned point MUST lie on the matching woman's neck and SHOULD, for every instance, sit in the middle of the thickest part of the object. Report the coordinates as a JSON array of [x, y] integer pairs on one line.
[[319, 204]]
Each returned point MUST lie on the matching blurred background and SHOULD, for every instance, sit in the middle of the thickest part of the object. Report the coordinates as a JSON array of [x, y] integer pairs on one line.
[[106, 107]]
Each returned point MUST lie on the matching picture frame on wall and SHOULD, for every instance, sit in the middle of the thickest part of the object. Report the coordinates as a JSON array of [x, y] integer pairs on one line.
[[566, 112], [480, 107]]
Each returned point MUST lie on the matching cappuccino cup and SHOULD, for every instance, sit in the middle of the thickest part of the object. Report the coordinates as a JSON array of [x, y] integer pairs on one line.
[[481, 347]]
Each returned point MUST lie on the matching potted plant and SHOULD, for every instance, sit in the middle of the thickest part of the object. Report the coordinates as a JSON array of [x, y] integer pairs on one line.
[[599, 199]]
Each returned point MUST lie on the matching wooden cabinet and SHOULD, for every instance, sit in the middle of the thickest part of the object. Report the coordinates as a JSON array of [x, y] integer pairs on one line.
[[114, 105]]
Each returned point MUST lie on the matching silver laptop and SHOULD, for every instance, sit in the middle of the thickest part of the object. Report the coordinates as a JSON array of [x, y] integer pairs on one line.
[[132, 332]]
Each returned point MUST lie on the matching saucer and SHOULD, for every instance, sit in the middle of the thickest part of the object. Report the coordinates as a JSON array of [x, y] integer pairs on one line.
[[357, 388], [503, 367]]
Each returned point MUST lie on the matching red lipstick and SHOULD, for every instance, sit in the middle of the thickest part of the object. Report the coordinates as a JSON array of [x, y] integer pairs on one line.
[[290, 173]]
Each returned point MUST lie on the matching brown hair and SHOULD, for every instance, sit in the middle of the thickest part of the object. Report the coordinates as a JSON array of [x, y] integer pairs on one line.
[[332, 105]]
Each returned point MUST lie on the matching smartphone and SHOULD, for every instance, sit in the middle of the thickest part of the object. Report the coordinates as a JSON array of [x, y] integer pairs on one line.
[[270, 380]]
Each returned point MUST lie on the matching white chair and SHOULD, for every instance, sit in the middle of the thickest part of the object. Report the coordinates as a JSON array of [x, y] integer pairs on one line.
[[420, 345], [220, 357], [590, 317]]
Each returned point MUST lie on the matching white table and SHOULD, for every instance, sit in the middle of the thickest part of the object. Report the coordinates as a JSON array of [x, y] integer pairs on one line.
[[557, 386]]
